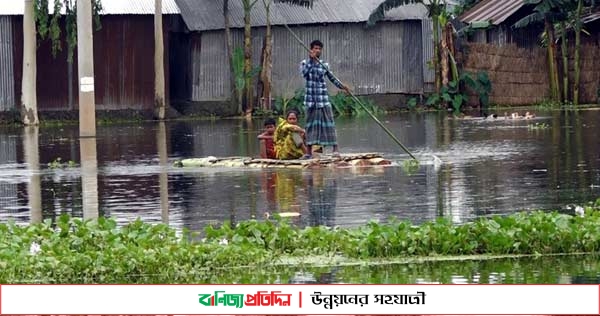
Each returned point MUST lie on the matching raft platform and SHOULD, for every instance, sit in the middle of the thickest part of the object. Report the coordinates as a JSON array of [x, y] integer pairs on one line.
[[345, 160]]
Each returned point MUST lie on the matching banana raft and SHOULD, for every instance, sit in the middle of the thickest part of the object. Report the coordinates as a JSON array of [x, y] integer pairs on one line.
[[345, 160]]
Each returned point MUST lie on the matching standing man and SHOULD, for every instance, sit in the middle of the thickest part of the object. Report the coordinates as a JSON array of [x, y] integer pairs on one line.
[[320, 126]]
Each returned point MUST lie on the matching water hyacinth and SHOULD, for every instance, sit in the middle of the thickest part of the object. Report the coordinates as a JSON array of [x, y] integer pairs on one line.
[[77, 251]]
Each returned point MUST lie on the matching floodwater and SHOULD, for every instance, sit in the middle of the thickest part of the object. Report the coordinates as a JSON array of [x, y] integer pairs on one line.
[[564, 270], [488, 167]]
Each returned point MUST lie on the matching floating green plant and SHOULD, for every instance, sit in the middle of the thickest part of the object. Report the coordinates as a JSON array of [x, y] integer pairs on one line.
[[410, 166], [72, 250], [538, 126], [57, 164]]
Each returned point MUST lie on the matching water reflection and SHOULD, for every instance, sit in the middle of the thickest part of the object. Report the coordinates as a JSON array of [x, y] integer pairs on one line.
[[322, 197], [309, 196], [565, 270], [544, 270], [89, 177], [161, 143], [489, 168], [32, 159]]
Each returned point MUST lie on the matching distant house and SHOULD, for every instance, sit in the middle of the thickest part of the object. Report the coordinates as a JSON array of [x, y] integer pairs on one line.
[[516, 63], [123, 59], [390, 58], [491, 22]]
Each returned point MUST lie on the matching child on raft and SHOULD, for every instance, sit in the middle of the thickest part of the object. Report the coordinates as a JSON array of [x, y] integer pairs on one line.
[[267, 143]]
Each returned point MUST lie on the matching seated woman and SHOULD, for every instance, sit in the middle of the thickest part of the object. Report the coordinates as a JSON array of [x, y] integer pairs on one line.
[[289, 138]]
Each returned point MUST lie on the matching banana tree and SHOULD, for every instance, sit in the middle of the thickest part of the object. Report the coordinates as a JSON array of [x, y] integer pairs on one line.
[[434, 9], [549, 12], [573, 22], [578, 26]]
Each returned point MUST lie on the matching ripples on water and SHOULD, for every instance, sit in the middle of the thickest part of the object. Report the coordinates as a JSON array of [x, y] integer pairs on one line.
[[546, 270], [489, 167]]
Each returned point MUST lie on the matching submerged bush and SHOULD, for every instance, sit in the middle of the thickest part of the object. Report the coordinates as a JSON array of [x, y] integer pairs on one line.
[[76, 251]]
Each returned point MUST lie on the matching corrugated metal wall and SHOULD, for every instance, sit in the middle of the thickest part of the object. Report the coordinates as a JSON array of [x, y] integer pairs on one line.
[[372, 61], [7, 89], [412, 74], [123, 65], [427, 31]]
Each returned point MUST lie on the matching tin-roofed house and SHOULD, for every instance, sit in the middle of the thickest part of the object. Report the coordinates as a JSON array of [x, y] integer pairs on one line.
[[123, 60], [386, 61], [491, 22]]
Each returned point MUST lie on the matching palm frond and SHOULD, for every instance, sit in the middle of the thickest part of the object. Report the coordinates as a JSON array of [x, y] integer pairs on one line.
[[547, 6], [379, 13], [534, 17], [304, 3]]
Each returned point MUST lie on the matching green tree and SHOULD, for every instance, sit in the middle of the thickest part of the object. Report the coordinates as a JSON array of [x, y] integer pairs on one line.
[[549, 12], [48, 23], [435, 9], [466, 5], [565, 15], [577, 23]]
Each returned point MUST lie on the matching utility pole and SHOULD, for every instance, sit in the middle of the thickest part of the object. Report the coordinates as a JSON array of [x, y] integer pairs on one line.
[[87, 110], [29, 114], [85, 66]]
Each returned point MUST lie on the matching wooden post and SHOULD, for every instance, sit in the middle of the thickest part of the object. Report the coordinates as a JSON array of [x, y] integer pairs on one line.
[[85, 66], [159, 62]]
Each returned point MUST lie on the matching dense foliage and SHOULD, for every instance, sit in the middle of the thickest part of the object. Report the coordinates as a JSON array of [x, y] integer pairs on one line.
[[48, 22]]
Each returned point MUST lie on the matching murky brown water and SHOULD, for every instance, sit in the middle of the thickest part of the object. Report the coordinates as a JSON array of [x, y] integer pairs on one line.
[[489, 167]]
